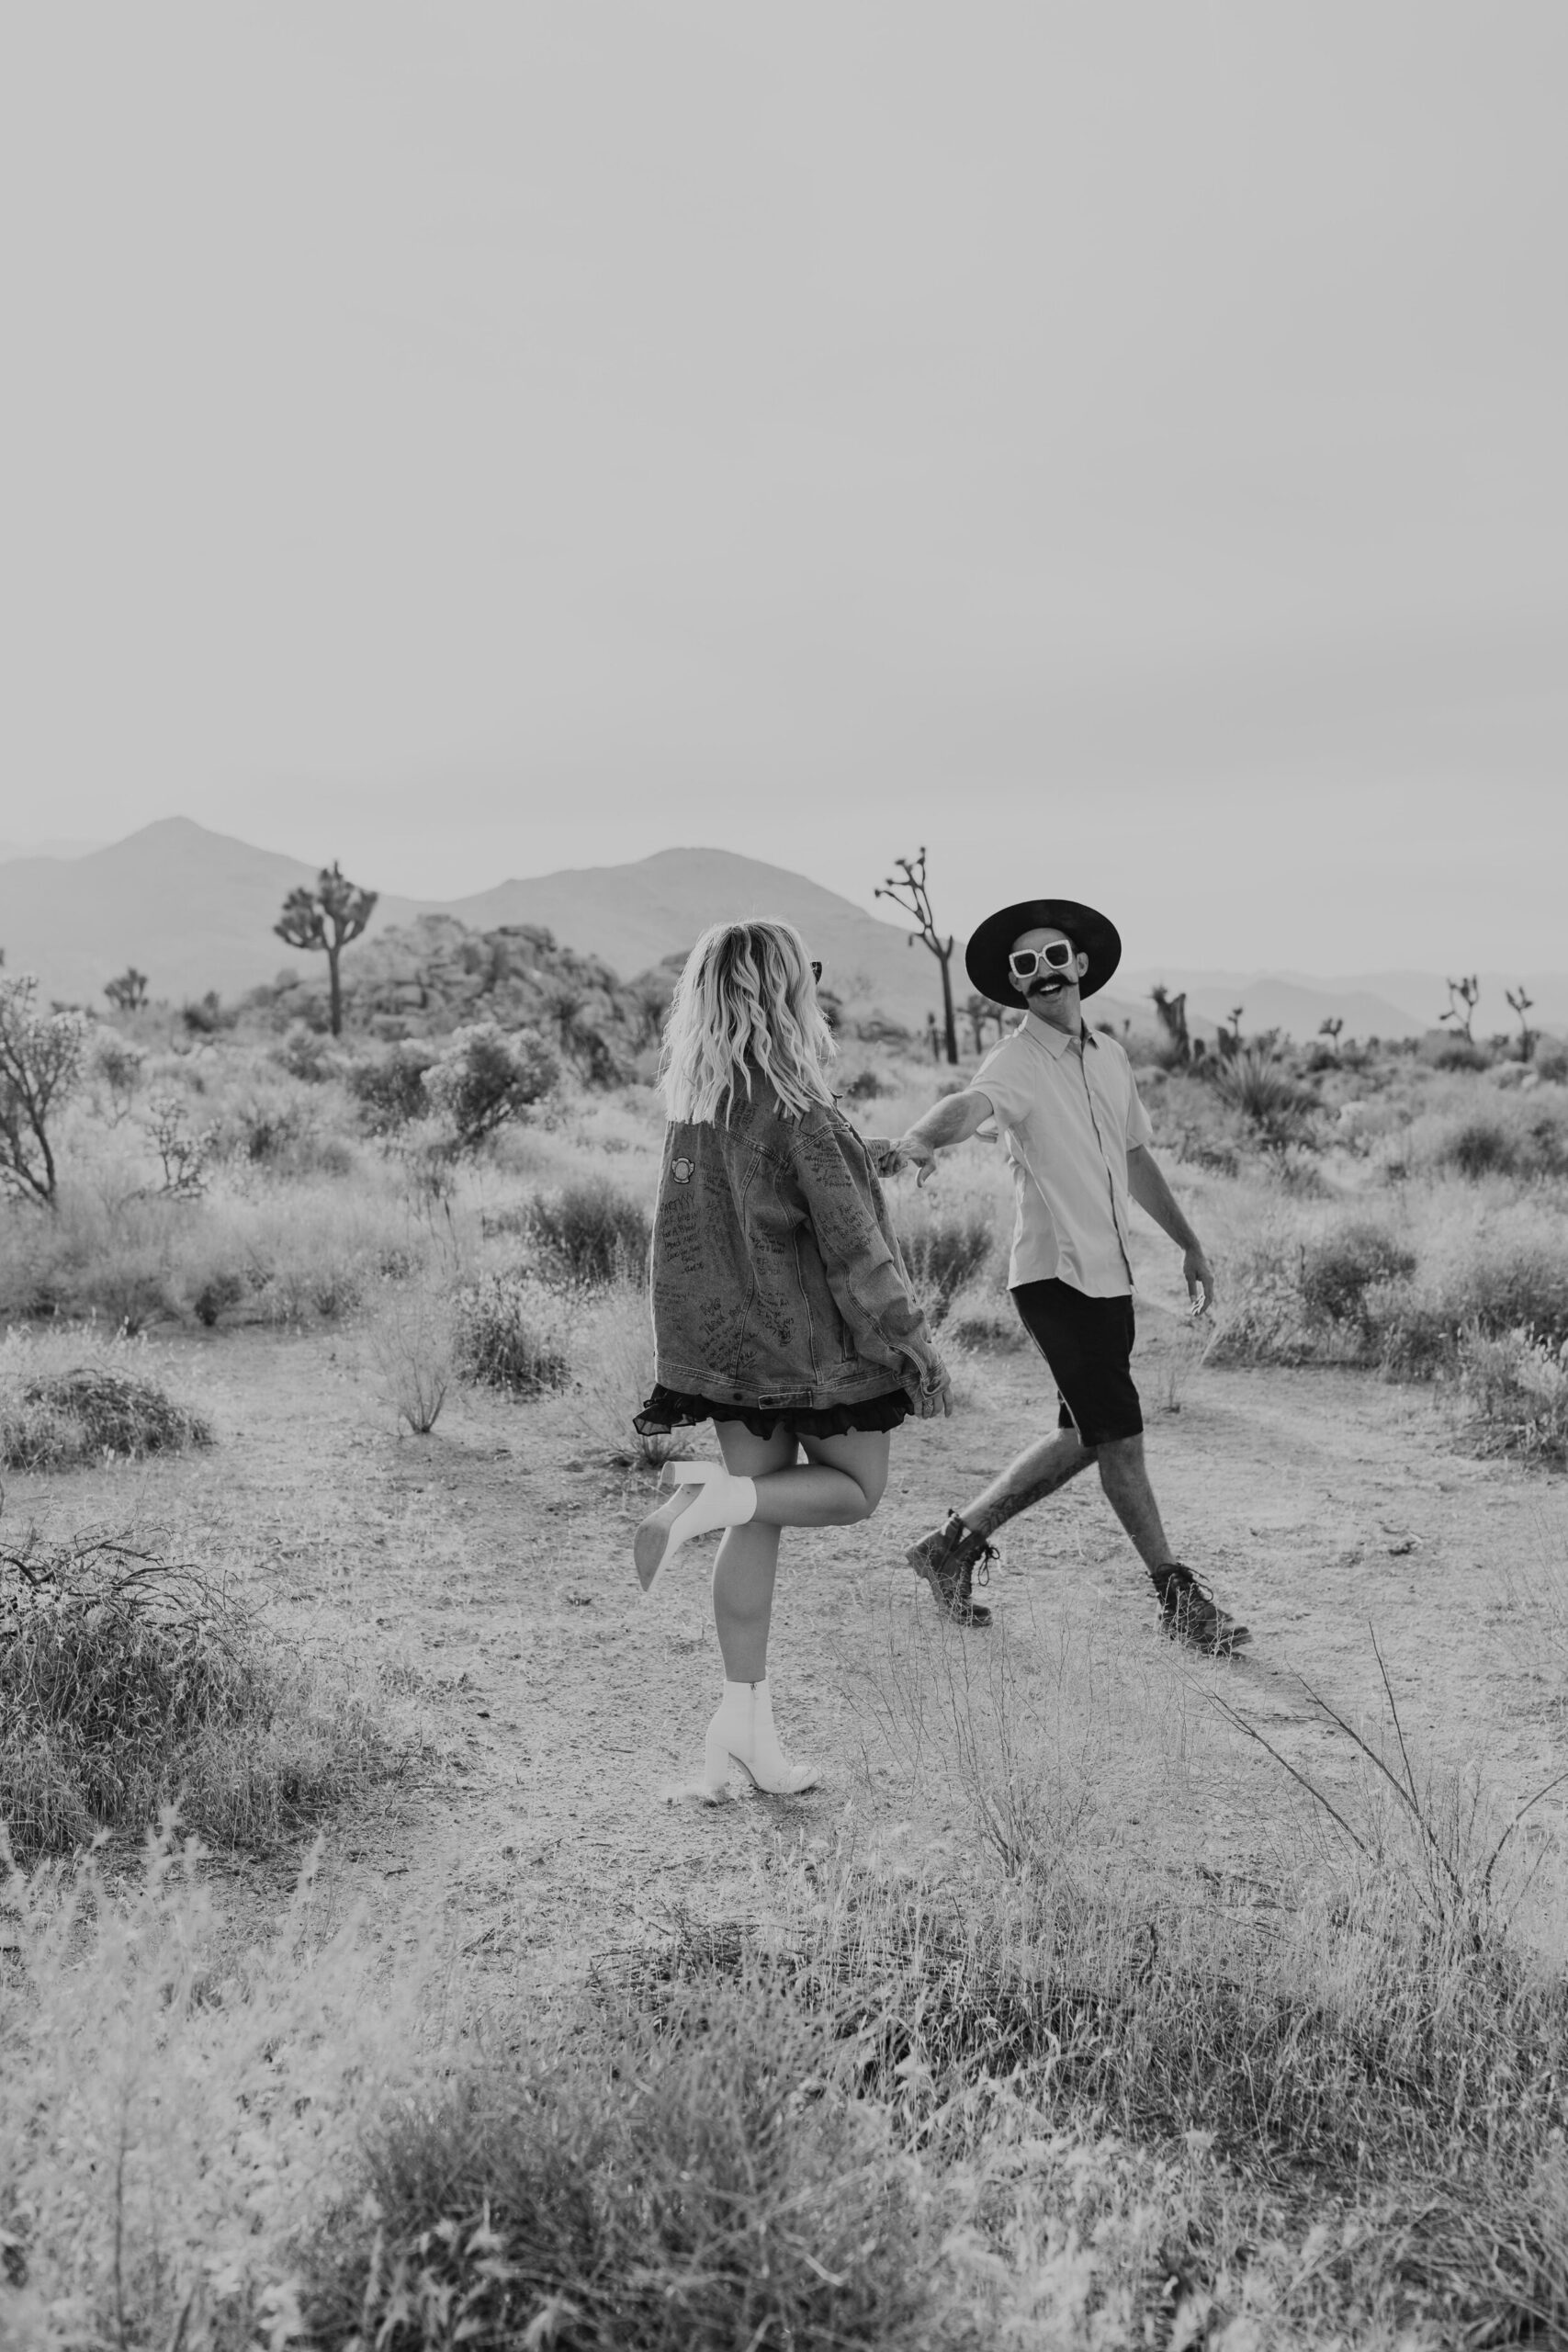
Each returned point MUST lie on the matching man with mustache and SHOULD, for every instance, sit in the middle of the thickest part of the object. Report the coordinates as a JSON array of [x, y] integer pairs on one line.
[[1078, 1139]]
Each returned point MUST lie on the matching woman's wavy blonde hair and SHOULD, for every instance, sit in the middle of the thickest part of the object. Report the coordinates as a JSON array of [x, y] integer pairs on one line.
[[745, 1008]]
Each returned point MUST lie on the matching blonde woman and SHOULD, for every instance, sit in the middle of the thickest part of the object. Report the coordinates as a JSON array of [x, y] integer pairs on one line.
[[782, 1310]]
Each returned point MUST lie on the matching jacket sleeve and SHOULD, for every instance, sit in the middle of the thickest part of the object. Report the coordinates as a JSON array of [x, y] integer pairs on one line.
[[868, 1283]]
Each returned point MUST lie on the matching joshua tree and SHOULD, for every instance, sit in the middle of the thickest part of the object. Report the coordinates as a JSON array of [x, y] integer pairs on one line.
[[1520, 1003], [128, 994], [1465, 992], [907, 888], [977, 1012], [1330, 1029], [1172, 1011], [328, 917]]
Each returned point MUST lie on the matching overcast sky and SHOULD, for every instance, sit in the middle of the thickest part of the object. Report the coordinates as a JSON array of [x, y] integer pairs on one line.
[[1124, 447]]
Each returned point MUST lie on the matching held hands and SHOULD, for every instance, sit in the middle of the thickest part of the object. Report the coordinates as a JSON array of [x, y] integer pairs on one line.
[[1200, 1281], [913, 1151]]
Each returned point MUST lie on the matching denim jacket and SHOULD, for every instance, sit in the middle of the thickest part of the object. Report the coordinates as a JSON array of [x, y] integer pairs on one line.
[[776, 1276]]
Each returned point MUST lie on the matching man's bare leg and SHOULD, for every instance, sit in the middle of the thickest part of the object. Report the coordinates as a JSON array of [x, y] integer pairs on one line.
[[1131, 1497], [1038, 1471]]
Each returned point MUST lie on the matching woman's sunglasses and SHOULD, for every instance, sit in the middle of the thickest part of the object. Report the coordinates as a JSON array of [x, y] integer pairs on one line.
[[1056, 955]]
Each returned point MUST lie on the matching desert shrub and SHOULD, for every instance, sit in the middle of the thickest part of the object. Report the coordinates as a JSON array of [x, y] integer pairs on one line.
[[511, 1333], [54, 1420], [1513, 1386], [978, 1315], [1338, 1270], [1550, 1060], [487, 1076], [129, 1682], [306, 1054], [591, 1231], [945, 1249], [1490, 1287], [1265, 1092], [1441, 1050], [1481, 1148], [413, 1345], [114, 1071], [649, 2177], [389, 1092], [864, 1087]]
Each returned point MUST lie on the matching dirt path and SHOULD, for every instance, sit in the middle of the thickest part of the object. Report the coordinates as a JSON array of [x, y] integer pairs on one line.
[[487, 1570]]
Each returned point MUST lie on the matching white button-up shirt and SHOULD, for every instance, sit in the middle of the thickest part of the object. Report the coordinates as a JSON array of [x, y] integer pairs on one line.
[[1069, 1112]]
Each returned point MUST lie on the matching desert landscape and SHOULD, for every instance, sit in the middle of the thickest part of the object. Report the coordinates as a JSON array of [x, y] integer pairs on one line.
[[372, 1969]]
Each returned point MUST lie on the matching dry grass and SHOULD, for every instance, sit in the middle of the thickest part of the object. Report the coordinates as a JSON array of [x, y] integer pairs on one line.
[[130, 1681], [58, 1418]]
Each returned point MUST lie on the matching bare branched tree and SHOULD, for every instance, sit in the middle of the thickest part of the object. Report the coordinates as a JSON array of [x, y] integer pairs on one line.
[[907, 888], [327, 918], [41, 1061]]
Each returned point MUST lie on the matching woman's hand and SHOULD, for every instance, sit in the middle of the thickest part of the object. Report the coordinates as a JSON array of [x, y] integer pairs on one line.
[[936, 1403]]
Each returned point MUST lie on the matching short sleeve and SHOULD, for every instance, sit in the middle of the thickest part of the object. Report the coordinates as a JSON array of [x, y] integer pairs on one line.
[[1003, 1078], [1140, 1133]]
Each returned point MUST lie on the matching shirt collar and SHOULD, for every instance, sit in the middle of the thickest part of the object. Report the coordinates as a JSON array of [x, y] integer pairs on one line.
[[1055, 1041]]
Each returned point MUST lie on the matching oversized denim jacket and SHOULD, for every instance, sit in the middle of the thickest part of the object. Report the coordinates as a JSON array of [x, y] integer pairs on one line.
[[776, 1276]]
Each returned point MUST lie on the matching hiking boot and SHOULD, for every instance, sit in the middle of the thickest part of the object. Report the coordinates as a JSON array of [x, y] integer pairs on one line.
[[948, 1560], [1190, 1614]]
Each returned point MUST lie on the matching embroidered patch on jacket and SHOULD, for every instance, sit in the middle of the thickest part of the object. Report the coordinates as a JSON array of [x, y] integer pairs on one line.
[[682, 1170]]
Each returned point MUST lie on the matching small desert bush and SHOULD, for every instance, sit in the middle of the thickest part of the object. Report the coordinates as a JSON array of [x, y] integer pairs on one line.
[[510, 1331], [1340, 1266], [487, 1076], [1266, 1093], [1513, 1388], [946, 1248], [658, 2175], [130, 1682], [388, 1091], [590, 1231], [67, 1400], [414, 1346]]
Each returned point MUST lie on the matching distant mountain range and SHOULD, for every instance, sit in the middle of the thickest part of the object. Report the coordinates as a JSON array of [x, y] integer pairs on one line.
[[195, 909]]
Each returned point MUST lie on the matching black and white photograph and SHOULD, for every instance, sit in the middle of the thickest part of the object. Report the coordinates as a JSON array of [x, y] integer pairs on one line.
[[784, 1176]]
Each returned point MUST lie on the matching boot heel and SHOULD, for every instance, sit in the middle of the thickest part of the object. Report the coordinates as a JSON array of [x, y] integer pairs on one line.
[[716, 1765]]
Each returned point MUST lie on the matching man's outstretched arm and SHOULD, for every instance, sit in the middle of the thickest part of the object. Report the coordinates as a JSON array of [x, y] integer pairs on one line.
[[954, 1118], [1145, 1181]]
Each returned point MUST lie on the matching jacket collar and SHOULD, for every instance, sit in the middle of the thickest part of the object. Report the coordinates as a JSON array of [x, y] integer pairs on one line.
[[1055, 1041]]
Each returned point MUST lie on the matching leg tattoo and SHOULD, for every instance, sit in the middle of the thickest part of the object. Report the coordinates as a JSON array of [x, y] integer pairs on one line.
[[1038, 1472]]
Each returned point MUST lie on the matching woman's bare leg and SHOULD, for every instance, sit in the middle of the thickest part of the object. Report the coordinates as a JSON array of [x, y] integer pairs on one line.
[[748, 1560], [842, 1481]]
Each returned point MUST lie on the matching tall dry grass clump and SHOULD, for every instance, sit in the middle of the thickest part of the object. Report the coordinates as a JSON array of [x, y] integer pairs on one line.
[[174, 2114], [130, 1682]]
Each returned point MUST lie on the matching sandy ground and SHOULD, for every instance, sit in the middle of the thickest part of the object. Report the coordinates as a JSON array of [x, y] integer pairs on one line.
[[488, 1567]]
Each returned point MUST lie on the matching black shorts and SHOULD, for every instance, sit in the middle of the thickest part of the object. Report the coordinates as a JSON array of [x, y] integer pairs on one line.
[[1087, 1342]]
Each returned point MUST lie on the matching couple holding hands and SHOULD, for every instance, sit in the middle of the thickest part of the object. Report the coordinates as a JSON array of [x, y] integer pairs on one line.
[[783, 1314]]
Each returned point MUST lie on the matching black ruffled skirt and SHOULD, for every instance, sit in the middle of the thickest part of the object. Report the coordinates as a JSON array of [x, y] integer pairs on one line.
[[674, 1408]]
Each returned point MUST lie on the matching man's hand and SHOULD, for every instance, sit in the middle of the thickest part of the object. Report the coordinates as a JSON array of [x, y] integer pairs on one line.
[[912, 1150], [1200, 1281]]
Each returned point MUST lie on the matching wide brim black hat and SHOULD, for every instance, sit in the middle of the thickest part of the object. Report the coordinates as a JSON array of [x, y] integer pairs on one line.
[[1092, 933]]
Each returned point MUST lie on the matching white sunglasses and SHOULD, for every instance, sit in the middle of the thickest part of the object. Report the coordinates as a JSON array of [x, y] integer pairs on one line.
[[1056, 955]]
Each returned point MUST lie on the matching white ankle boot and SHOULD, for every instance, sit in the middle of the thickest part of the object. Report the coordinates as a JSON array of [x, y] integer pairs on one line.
[[706, 1496], [742, 1733]]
